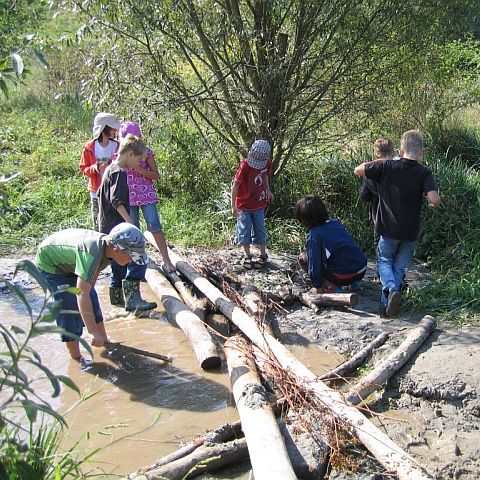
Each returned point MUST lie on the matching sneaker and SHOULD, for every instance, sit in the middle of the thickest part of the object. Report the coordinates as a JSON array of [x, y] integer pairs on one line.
[[393, 305]]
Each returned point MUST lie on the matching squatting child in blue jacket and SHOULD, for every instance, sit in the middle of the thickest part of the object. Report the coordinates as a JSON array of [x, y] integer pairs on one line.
[[332, 259]]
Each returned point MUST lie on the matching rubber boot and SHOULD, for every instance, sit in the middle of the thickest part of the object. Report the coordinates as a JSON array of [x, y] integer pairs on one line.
[[133, 299], [116, 296]]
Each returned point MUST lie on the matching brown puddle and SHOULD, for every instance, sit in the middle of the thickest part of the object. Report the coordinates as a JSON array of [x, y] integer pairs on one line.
[[140, 409]]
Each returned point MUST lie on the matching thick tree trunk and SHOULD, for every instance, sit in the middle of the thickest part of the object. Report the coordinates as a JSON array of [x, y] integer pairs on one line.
[[330, 299], [389, 454], [195, 330], [356, 360], [266, 447], [381, 373], [203, 459]]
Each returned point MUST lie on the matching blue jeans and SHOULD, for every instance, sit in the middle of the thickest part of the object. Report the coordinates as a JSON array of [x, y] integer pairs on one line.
[[251, 228], [393, 257], [150, 214], [132, 271], [72, 321]]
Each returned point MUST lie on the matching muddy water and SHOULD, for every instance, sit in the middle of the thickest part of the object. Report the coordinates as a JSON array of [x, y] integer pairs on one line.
[[140, 409]]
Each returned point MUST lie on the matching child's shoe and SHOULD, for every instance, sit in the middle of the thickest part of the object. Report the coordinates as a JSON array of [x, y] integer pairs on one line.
[[393, 304], [247, 262]]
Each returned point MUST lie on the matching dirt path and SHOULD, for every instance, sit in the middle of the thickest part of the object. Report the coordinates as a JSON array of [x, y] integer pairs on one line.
[[431, 407]]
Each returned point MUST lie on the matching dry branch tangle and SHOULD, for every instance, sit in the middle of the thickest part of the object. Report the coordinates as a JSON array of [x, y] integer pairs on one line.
[[390, 455]]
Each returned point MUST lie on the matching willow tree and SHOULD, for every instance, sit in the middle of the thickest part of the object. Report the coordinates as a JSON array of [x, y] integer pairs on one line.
[[291, 71]]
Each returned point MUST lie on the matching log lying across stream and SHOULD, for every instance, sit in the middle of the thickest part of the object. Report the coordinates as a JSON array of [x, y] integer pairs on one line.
[[330, 299], [388, 453], [195, 330], [268, 454]]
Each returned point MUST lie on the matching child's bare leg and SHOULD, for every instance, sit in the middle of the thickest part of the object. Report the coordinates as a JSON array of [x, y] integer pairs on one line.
[[74, 349], [162, 246], [263, 251], [246, 250]]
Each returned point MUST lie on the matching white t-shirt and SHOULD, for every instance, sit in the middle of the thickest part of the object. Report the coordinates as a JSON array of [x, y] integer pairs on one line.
[[103, 155]]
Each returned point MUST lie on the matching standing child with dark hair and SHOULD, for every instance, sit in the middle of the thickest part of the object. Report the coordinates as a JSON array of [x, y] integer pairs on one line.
[[332, 259], [250, 195], [383, 149], [114, 206], [97, 155], [143, 195], [402, 185]]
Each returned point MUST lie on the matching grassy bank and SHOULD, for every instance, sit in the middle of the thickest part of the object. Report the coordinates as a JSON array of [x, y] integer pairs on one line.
[[42, 140]]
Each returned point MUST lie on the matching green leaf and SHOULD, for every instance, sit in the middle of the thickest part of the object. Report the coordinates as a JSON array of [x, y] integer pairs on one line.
[[41, 58], [17, 330], [41, 330], [31, 407], [29, 267], [3, 471], [53, 379], [4, 87], [18, 64], [69, 382]]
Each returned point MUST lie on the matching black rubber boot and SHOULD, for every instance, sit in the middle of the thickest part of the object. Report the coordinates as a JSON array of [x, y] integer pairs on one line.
[[133, 299], [116, 296]]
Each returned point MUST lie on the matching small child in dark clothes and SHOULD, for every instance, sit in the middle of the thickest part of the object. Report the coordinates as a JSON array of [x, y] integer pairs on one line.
[[383, 149], [114, 207], [332, 258]]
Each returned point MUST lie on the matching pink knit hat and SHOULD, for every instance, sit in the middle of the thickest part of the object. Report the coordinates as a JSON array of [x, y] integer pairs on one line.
[[129, 127]]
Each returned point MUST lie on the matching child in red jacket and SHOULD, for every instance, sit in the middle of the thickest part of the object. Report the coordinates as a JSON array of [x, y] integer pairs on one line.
[[97, 155]]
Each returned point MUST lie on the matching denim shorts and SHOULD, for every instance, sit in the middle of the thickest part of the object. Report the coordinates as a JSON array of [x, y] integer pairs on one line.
[[251, 228], [72, 321], [150, 214]]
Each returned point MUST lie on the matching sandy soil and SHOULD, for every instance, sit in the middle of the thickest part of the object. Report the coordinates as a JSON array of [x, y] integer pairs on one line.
[[431, 407]]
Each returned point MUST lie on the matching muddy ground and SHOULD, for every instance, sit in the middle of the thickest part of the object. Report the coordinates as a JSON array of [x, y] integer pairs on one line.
[[431, 407]]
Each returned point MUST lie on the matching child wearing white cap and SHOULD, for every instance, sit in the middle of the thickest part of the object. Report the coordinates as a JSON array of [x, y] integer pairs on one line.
[[97, 155], [250, 195]]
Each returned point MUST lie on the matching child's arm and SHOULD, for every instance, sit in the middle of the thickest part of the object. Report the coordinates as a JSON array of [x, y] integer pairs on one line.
[[433, 198], [123, 212], [235, 187], [270, 196], [151, 172], [85, 308], [315, 262]]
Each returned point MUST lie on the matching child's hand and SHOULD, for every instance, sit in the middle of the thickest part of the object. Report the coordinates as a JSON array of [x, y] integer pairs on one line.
[[101, 166], [235, 211], [97, 340], [270, 197], [169, 267]]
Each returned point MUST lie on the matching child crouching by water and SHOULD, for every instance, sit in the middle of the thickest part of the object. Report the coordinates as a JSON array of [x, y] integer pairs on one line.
[[332, 258]]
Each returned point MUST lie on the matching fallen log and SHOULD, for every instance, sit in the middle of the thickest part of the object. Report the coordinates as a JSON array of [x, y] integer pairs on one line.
[[382, 372], [209, 456], [266, 447], [225, 432], [196, 305], [194, 329], [330, 299], [387, 452], [127, 349], [355, 361]]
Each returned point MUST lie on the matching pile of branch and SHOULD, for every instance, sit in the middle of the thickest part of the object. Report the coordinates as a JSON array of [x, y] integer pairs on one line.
[[302, 392]]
